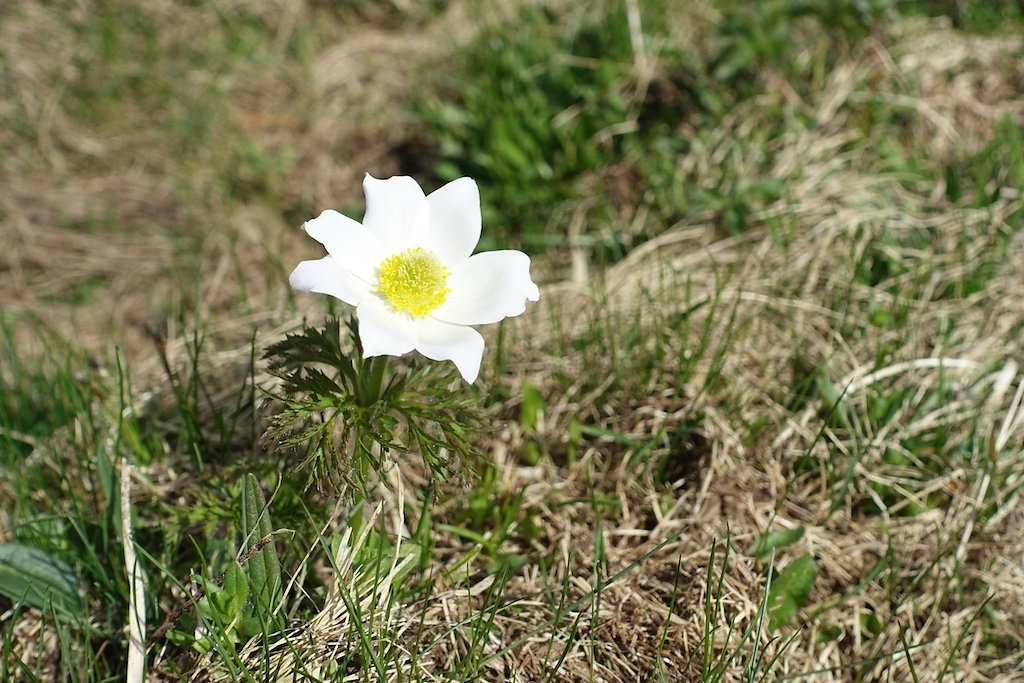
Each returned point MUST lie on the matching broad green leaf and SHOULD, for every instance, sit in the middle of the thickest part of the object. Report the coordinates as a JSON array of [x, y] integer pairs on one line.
[[248, 627], [789, 591], [34, 577], [236, 587], [763, 546], [264, 568]]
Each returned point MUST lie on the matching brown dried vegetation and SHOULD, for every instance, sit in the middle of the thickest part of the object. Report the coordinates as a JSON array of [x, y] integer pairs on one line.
[[107, 232]]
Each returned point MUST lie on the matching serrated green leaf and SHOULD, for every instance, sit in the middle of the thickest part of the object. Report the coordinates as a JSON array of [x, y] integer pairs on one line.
[[34, 577], [763, 546], [790, 590]]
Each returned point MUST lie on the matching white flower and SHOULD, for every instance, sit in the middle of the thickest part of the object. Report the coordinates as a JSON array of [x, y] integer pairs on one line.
[[408, 270]]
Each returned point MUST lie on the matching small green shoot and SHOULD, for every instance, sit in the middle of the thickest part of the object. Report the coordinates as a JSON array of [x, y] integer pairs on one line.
[[790, 590]]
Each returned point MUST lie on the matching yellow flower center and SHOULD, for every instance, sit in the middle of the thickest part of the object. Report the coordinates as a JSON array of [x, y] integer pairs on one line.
[[414, 281]]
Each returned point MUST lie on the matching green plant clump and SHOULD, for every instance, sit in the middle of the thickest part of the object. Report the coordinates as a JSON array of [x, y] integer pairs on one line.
[[540, 111]]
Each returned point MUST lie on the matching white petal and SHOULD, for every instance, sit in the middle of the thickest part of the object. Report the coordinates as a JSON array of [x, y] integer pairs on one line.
[[454, 220], [462, 345], [326, 276], [396, 212], [382, 331], [487, 288], [349, 242]]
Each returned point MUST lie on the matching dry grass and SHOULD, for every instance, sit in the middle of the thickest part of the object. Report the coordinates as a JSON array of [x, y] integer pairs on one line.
[[784, 291], [946, 562], [91, 209], [102, 209]]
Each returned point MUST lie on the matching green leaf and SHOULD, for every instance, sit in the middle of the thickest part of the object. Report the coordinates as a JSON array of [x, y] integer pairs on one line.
[[828, 633], [34, 577], [247, 627], [530, 455], [236, 588], [264, 568], [833, 401], [870, 625], [530, 411], [575, 438], [180, 638], [531, 407], [790, 590], [218, 606], [762, 547]]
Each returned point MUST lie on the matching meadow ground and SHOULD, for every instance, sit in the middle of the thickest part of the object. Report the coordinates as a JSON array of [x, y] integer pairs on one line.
[[765, 422]]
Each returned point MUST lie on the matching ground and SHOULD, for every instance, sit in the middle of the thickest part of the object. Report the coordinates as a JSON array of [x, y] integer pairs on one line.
[[764, 423]]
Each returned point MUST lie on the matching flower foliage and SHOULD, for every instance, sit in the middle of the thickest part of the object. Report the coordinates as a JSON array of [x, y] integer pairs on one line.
[[348, 413]]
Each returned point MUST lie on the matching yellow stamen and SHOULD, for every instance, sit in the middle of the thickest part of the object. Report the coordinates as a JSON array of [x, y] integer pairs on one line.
[[414, 281]]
